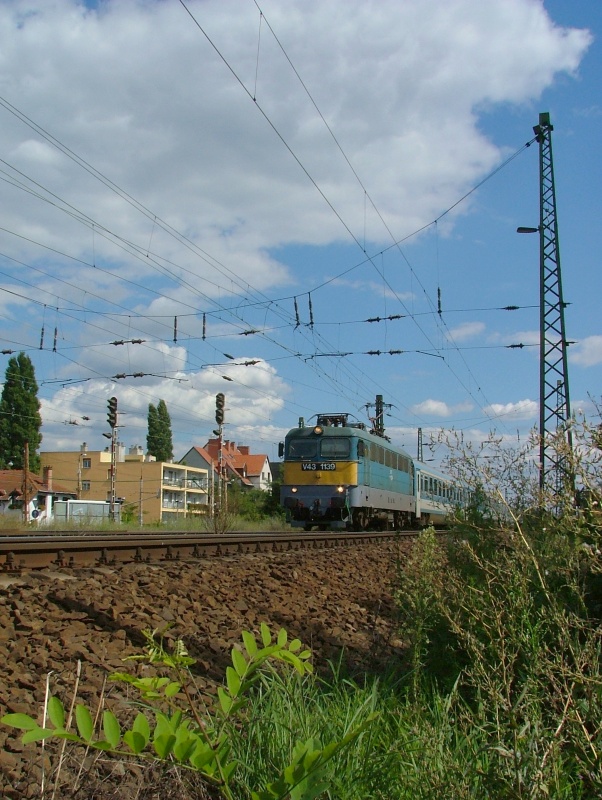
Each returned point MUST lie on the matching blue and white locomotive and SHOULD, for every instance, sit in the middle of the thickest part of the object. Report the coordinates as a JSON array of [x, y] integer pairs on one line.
[[339, 474]]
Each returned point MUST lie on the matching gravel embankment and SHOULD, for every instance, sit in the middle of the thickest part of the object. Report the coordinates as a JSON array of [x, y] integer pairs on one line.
[[53, 623]]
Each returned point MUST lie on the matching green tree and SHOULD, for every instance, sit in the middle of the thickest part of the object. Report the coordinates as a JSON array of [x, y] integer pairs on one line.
[[159, 442], [254, 504], [152, 431], [20, 419]]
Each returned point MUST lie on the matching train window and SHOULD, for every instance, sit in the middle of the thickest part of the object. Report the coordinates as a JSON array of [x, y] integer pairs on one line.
[[335, 447], [302, 448], [389, 456], [377, 453], [361, 449]]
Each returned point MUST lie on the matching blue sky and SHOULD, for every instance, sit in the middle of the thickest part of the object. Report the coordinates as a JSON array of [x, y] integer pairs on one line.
[[243, 193]]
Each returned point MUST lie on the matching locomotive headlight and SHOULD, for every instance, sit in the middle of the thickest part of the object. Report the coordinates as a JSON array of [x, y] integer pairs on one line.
[[340, 489], [318, 430], [294, 489]]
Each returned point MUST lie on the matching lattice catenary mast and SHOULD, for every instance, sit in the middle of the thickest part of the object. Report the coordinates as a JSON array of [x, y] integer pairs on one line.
[[554, 403]]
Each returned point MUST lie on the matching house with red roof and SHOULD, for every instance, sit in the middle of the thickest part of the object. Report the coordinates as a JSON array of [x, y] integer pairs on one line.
[[27, 497], [249, 470]]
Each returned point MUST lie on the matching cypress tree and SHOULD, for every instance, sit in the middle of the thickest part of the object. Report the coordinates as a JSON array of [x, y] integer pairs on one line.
[[151, 437], [165, 432], [20, 419], [159, 442]]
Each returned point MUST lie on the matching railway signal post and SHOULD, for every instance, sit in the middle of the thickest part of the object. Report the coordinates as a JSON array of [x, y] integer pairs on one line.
[[220, 413], [112, 420]]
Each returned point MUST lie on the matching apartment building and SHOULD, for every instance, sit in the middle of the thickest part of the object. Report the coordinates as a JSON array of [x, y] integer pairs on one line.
[[157, 491]]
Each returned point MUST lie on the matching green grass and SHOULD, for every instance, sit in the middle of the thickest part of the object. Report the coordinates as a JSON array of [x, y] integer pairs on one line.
[[499, 694], [424, 747], [190, 524]]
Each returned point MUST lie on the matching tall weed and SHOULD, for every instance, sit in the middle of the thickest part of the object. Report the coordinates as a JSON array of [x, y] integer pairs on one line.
[[510, 615]]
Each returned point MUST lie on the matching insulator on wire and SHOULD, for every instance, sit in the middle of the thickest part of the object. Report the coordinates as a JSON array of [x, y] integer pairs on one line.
[[42, 339], [175, 329], [296, 312], [56, 332], [439, 300], [204, 327], [311, 312]]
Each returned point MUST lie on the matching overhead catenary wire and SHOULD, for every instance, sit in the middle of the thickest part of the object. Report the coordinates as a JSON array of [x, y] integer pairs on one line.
[[317, 323], [312, 180]]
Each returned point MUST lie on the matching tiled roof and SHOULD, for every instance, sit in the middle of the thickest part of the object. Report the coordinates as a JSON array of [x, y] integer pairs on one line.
[[251, 464], [227, 463], [11, 483]]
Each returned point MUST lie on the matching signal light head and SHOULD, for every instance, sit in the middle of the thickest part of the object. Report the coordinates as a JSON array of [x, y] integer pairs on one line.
[[112, 412], [220, 403]]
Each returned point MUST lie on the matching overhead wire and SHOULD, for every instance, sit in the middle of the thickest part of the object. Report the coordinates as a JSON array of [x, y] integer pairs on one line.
[[448, 333], [366, 193], [154, 217]]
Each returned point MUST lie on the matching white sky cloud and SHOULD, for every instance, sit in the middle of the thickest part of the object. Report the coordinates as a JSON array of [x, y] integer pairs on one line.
[[587, 352], [136, 90], [521, 410], [158, 118], [467, 330], [439, 408]]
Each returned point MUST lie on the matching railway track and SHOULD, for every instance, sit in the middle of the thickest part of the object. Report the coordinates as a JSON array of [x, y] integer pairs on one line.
[[60, 549]]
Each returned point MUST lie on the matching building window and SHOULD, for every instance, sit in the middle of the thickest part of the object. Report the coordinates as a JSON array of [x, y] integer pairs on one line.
[[85, 486], [86, 463]]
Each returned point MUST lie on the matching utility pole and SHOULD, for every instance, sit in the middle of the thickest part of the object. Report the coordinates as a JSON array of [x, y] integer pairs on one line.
[[556, 475], [25, 483], [556, 442], [82, 452], [379, 415]]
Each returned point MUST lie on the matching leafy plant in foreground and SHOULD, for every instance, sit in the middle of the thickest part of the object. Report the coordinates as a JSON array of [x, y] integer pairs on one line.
[[179, 733]]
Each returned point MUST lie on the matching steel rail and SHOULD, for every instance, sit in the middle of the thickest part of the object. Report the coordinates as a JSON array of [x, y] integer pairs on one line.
[[66, 549]]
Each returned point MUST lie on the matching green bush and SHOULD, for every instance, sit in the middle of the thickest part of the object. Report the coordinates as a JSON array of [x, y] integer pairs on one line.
[[507, 620], [171, 725]]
